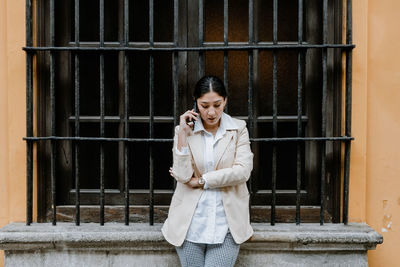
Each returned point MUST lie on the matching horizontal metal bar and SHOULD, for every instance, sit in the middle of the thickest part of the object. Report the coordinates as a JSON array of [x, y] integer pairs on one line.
[[138, 119], [167, 191], [116, 191], [270, 118], [213, 44], [281, 191], [170, 119], [170, 49], [98, 139], [111, 139], [301, 139], [124, 44], [171, 44]]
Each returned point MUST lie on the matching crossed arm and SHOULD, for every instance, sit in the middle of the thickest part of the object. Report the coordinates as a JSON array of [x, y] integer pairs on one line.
[[239, 172]]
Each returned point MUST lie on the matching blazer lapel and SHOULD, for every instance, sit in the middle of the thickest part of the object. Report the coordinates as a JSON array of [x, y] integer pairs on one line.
[[196, 146], [222, 145]]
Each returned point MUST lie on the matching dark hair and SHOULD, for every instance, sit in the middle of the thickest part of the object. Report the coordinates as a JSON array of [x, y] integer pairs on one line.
[[209, 84]]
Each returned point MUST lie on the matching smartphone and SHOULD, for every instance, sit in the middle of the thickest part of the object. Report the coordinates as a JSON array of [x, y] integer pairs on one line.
[[190, 122]]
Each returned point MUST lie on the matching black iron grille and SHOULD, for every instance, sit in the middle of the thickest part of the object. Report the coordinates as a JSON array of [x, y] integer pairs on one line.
[[125, 47]]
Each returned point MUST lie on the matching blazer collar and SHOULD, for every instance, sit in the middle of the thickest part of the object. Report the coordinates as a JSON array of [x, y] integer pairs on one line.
[[224, 136], [227, 123]]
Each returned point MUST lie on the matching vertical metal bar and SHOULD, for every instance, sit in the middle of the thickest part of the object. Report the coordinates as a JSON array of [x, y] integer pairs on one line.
[[29, 115], [226, 25], [201, 38], [274, 109], [101, 33], [299, 106], [126, 110], [250, 98], [323, 124], [151, 110], [175, 62], [175, 72], [77, 113], [349, 56], [52, 115]]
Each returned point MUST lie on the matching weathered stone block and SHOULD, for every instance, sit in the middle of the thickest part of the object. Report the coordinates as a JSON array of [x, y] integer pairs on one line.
[[143, 245]]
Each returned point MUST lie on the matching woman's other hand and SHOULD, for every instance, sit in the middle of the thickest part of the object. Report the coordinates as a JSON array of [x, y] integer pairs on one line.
[[193, 182]]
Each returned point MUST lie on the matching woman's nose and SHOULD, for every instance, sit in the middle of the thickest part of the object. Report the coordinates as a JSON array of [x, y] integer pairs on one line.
[[211, 111]]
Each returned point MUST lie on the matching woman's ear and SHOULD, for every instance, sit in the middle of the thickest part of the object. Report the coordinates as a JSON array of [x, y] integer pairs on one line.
[[225, 102]]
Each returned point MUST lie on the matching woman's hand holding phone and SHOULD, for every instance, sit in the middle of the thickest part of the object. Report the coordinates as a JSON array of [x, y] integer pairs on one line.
[[186, 121], [184, 128]]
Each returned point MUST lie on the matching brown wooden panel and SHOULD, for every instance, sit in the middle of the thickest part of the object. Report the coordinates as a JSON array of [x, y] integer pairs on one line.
[[139, 214]]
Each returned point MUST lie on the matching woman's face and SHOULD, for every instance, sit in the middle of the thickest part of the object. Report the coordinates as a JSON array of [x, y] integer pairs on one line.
[[211, 106]]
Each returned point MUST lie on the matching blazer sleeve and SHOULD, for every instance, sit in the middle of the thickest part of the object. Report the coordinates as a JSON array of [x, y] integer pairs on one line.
[[241, 168], [182, 163]]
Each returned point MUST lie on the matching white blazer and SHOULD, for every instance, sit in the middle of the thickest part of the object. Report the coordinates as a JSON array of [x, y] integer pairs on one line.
[[234, 162]]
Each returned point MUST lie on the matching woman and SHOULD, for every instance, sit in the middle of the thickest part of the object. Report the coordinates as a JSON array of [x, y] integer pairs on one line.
[[208, 217]]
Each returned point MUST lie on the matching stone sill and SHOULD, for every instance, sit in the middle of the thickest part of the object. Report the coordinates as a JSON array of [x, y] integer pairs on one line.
[[140, 237]]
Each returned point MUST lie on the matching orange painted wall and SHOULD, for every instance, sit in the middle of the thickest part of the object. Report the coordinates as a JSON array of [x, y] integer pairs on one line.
[[375, 161], [383, 129], [12, 112], [3, 122], [375, 167]]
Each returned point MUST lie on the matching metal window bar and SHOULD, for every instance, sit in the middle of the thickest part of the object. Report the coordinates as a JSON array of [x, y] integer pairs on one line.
[[201, 39], [299, 108], [301, 47], [52, 114], [274, 109], [349, 68], [226, 28], [324, 93], [202, 48], [29, 114], [126, 110], [175, 71], [101, 34], [151, 111], [175, 63], [77, 113], [250, 97]]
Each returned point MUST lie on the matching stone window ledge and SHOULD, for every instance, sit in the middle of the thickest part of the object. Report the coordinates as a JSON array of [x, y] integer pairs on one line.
[[303, 245]]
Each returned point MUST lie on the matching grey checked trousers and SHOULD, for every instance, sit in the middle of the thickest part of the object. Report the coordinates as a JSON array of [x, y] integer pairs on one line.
[[209, 255]]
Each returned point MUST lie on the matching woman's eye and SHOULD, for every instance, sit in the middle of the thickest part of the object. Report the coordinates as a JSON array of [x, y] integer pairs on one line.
[[205, 107], [217, 106]]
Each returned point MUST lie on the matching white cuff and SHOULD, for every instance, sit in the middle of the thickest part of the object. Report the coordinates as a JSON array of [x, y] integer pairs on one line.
[[205, 182], [185, 151]]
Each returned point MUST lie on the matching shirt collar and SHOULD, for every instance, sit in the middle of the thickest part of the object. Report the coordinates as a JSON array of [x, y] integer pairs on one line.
[[227, 123]]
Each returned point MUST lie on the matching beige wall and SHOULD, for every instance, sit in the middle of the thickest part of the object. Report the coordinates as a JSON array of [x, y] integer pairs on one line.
[[375, 162]]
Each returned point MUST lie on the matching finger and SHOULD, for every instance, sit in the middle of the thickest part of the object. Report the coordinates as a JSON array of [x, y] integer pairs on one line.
[[193, 113], [191, 116], [190, 112]]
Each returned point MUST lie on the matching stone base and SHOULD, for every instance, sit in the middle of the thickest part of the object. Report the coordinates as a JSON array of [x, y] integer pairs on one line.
[[143, 245]]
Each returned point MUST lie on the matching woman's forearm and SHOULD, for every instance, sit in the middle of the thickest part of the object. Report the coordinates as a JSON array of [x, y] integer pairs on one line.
[[182, 142]]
